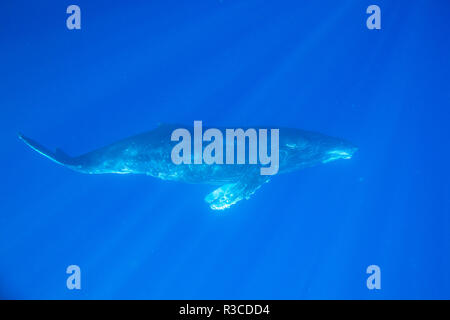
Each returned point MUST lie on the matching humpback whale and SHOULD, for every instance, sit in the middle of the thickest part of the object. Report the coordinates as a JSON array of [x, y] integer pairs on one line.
[[150, 153]]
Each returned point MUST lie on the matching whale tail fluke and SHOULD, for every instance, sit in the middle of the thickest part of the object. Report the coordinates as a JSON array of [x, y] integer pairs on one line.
[[58, 156]]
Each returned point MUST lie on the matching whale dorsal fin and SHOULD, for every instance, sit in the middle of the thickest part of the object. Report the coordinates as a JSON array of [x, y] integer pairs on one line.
[[231, 193]]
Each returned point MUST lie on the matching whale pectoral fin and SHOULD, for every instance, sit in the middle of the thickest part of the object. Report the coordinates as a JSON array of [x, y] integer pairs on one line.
[[231, 193]]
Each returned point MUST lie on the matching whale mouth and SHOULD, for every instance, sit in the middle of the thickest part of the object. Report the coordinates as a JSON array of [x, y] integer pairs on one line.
[[340, 154]]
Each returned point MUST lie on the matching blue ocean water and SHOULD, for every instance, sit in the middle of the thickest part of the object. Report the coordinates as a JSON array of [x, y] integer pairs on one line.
[[309, 234]]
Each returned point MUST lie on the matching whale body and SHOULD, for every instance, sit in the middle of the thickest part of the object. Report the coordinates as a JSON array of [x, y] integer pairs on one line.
[[150, 153]]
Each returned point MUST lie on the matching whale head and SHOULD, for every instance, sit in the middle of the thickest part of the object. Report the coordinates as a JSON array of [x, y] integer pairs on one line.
[[300, 148]]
